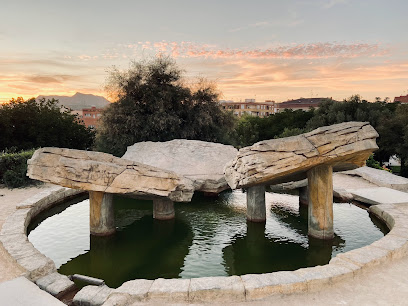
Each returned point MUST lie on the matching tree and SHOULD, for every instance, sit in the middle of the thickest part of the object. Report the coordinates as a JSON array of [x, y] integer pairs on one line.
[[153, 104], [32, 124]]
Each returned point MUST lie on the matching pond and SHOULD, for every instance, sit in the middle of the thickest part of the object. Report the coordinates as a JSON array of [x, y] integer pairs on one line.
[[208, 237]]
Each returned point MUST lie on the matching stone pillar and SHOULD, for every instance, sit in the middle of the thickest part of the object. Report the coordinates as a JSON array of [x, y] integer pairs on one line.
[[101, 214], [256, 210], [320, 186], [163, 209], [303, 199]]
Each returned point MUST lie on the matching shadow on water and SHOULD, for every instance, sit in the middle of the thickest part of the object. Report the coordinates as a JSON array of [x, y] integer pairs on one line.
[[257, 252], [146, 248]]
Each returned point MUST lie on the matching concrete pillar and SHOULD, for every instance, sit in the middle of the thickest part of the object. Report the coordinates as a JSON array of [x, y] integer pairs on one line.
[[163, 209], [256, 209], [320, 186], [303, 196], [101, 214]]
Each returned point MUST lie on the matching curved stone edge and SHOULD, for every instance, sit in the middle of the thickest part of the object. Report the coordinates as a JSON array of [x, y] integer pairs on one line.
[[42, 271], [39, 268]]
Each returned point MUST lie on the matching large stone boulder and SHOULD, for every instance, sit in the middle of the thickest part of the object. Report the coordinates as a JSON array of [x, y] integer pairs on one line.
[[345, 146], [201, 162], [96, 171]]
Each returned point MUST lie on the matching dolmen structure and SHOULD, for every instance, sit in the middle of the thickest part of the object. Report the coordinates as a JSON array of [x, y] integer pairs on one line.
[[314, 155], [171, 171], [199, 161], [103, 175]]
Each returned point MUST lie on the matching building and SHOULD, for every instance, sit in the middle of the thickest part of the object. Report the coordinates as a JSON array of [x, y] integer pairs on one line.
[[89, 116], [250, 107], [401, 99], [302, 103]]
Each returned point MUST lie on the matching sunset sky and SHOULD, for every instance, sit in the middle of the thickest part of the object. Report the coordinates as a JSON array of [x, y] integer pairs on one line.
[[275, 50]]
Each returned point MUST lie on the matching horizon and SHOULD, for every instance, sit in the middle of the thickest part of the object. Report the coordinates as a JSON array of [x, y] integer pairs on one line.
[[262, 50]]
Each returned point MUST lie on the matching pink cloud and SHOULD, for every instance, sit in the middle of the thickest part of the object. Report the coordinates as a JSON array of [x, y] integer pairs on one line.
[[292, 51]]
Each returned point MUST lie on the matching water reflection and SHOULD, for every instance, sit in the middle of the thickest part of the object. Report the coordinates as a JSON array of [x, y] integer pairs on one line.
[[208, 237]]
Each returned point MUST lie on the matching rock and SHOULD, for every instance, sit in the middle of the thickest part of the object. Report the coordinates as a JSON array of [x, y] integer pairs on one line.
[[96, 171], [345, 146], [200, 161], [381, 178]]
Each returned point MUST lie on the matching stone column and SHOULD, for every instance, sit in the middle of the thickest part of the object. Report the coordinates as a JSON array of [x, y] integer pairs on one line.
[[256, 210], [163, 209], [303, 200], [101, 214], [320, 186]]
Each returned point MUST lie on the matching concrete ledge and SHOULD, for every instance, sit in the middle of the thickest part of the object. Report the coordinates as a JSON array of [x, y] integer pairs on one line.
[[207, 289]]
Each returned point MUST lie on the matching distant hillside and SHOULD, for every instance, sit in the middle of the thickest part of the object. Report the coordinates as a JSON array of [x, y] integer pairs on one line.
[[79, 101]]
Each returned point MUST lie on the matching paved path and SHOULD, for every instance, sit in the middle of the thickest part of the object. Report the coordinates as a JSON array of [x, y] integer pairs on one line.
[[381, 285]]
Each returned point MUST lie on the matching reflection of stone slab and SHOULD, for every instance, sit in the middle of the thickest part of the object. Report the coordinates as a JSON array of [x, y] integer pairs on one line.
[[381, 178], [379, 195], [344, 146], [200, 161], [96, 171]]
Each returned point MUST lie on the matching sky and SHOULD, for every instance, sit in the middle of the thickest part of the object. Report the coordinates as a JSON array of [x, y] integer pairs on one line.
[[267, 50]]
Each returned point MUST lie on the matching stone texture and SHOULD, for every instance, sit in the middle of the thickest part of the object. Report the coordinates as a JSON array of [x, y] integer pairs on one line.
[[381, 178], [96, 171], [170, 290], [216, 289], [345, 146], [366, 256], [37, 266], [200, 161], [137, 289], [92, 296], [163, 209], [101, 213], [256, 208], [379, 195], [320, 202], [117, 299], [258, 286], [55, 284]]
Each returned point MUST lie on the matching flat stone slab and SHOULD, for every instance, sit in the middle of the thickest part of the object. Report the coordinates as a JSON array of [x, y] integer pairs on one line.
[[381, 178], [200, 161], [379, 195], [21, 292], [344, 146], [96, 171]]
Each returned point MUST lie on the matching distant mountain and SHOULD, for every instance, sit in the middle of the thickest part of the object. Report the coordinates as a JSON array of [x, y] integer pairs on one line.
[[79, 101]]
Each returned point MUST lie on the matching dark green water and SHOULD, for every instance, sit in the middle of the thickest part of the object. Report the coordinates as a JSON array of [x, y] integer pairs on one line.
[[209, 237]]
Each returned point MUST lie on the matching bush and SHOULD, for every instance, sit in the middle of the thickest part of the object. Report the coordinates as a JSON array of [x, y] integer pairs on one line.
[[13, 169]]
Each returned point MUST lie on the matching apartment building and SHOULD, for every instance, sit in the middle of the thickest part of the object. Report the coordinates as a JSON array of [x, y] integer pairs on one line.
[[303, 104], [249, 107], [89, 116], [401, 99]]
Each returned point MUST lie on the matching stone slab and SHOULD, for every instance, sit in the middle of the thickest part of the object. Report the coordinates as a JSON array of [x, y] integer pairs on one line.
[[171, 290], [381, 178], [21, 292], [200, 161], [380, 195], [137, 289], [55, 284], [92, 296], [258, 286], [217, 289]]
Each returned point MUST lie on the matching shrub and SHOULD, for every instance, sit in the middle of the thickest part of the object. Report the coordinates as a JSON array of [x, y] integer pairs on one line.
[[13, 168]]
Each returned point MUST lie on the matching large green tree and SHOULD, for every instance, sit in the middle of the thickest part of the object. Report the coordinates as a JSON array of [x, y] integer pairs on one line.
[[32, 124], [153, 103]]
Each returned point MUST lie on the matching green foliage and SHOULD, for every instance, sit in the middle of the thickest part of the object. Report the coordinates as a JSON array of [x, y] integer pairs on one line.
[[13, 169], [253, 129], [371, 162], [31, 124], [153, 104]]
